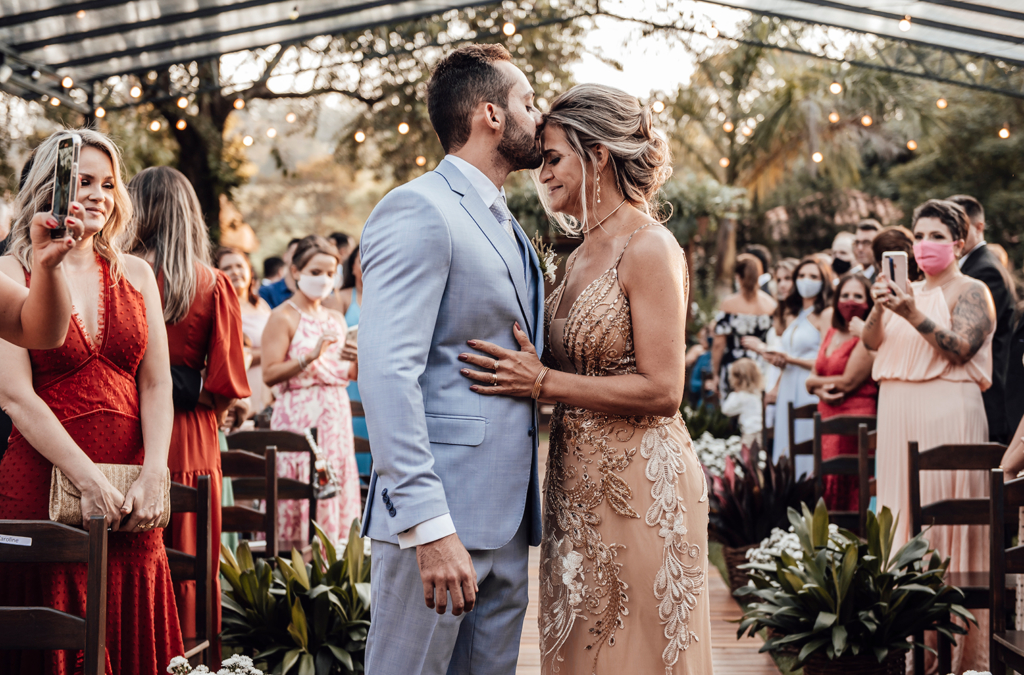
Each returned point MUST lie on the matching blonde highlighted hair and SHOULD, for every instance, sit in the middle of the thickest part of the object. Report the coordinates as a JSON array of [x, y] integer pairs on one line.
[[744, 375], [37, 196], [595, 114], [169, 225]]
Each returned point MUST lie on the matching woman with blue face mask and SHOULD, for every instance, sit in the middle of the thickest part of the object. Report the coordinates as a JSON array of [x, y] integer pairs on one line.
[[809, 303]]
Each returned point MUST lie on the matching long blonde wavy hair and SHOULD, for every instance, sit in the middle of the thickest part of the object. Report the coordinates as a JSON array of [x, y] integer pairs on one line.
[[37, 196], [169, 224], [595, 114]]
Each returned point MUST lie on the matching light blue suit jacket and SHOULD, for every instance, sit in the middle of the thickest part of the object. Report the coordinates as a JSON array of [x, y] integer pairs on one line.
[[439, 270]]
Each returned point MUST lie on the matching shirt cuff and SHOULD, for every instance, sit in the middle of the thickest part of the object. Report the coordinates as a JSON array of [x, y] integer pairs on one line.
[[427, 531]]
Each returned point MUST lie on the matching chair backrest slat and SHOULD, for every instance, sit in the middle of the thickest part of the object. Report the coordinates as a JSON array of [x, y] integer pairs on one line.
[[184, 499], [42, 541], [955, 512], [965, 457], [258, 440], [245, 519], [361, 445], [50, 629], [357, 409], [242, 519], [242, 463], [959, 457]]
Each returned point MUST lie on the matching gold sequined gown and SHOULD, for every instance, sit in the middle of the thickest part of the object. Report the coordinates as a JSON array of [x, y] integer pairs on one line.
[[624, 556]]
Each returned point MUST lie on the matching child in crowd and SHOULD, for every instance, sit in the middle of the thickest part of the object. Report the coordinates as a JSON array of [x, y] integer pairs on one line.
[[744, 399]]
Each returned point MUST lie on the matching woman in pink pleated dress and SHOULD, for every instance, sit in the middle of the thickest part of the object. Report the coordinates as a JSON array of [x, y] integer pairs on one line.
[[306, 358]]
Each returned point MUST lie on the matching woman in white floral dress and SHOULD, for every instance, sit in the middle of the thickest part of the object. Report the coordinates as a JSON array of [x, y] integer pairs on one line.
[[624, 552]]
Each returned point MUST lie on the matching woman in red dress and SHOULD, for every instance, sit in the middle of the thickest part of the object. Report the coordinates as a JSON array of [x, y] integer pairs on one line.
[[104, 396], [204, 331], [842, 381]]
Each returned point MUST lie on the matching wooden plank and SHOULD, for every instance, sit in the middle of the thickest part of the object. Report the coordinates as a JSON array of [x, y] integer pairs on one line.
[[40, 628]]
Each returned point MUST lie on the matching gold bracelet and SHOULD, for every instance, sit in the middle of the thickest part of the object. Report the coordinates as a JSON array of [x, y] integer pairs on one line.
[[537, 384]]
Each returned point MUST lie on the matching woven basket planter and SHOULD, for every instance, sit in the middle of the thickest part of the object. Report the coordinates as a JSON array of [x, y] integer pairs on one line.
[[819, 664], [734, 557]]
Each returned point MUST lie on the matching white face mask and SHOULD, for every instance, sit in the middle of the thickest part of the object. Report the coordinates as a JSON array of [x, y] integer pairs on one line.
[[315, 287], [808, 288]]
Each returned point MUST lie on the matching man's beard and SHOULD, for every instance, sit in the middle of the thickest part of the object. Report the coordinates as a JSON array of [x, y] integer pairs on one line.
[[519, 147]]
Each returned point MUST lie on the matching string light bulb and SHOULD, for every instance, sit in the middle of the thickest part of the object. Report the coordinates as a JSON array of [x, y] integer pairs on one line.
[[835, 87], [360, 137], [290, 118], [239, 103], [658, 107], [100, 112], [817, 157], [182, 102], [403, 128], [724, 162], [833, 117], [247, 141], [80, 14], [154, 125], [421, 160], [911, 145], [54, 101], [1004, 133], [509, 29], [294, 14], [941, 104], [180, 125], [728, 127], [867, 121], [135, 91], [712, 32], [271, 132], [905, 23], [67, 83], [747, 131]]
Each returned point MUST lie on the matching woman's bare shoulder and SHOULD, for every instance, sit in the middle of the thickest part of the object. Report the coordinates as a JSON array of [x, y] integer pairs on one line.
[[137, 271]]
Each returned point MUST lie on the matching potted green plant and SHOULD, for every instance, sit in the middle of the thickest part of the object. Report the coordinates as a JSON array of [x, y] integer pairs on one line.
[[748, 501], [847, 606], [307, 618]]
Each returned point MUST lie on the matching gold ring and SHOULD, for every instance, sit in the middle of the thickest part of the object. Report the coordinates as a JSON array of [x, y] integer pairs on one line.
[[496, 362], [494, 379]]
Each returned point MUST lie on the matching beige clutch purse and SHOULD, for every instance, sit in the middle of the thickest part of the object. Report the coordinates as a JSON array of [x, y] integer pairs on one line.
[[66, 499]]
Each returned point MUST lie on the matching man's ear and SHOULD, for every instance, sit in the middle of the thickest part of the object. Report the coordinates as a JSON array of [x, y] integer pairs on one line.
[[493, 116]]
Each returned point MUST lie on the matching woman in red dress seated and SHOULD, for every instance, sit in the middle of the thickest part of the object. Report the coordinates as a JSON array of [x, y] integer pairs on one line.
[[842, 381], [204, 331], [104, 396]]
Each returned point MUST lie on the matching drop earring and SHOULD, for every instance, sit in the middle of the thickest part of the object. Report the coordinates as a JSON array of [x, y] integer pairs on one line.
[[598, 188]]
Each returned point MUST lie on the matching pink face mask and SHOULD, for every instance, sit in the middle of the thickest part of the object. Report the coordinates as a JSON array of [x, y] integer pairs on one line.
[[933, 256]]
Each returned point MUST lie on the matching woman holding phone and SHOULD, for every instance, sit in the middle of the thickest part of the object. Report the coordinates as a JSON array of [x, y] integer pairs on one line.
[[934, 358], [104, 396]]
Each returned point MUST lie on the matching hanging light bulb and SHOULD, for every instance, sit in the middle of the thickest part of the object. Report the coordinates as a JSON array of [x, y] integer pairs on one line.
[[911, 145], [658, 107], [180, 125], [360, 137], [833, 117], [67, 83], [271, 132], [1004, 133], [100, 112], [135, 91], [421, 160], [403, 128], [154, 125], [817, 157], [294, 14], [80, 14], [290, 118], [182, 102], [712, 32], [728, 127], [941, 104], [247, 141], [867, 121], [509, 29], [835, 87], [724, 162], [54, 101], [905, 23], [239, 103], [747, 131]]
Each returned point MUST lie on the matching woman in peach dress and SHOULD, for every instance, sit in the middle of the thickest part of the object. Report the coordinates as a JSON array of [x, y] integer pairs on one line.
[[934, 359]]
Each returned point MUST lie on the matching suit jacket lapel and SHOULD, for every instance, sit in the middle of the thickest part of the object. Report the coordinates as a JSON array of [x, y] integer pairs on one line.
[[495, 234], [536, 286]]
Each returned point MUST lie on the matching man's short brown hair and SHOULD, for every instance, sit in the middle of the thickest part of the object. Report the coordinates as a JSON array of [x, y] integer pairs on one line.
[[975, 211], [461, 81]]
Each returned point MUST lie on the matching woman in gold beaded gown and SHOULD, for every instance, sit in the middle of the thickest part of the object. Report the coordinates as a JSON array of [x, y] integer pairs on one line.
[[624, 552]]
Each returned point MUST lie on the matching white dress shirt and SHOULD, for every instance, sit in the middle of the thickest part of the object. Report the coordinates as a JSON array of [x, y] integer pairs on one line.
[[442, 526]]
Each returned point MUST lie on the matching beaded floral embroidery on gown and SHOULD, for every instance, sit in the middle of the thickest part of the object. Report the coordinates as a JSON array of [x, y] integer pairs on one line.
[[624, 554]]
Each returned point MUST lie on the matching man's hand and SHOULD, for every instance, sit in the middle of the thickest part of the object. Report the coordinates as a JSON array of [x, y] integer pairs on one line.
[[446, 567]]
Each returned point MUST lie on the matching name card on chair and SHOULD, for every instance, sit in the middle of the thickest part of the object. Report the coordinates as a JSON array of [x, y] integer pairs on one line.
[[15, 541]]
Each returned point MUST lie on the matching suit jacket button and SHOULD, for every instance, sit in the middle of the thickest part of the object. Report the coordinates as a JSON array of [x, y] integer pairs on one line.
[[392, 511], [530, 432], [385, 498], [384, 492]]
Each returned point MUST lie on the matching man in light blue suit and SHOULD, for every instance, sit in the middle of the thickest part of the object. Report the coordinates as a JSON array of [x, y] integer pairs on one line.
[[454, 499]]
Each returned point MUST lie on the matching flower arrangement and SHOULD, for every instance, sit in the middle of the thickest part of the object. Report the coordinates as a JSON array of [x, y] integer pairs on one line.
[[548, 261], [778, 542], [712, 453], [233, 665]]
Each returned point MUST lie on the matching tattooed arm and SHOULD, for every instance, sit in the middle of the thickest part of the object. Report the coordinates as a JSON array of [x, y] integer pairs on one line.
[[974, 317], [873, 332]]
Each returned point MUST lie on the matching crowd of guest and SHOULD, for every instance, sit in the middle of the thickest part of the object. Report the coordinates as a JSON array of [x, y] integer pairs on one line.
[[128, 341]]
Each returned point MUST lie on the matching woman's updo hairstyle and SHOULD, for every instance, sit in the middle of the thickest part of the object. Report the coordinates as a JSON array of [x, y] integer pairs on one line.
[[749, 270], [311, 246], [595, 114]]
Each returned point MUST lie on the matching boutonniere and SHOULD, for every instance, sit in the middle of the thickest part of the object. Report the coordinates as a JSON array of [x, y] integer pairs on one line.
[[548, 261]]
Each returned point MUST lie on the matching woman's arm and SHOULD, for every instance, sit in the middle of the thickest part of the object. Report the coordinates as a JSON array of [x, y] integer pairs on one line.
[[277, 336], [857, 372], [874, 331], [144, 500], [1013, 458]]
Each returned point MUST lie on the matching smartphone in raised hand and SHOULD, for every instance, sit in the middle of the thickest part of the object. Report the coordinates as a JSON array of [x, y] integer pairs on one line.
[[65, 181], [894, 264]]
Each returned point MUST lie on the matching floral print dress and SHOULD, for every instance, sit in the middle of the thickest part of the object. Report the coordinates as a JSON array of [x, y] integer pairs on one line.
[[735, 327], [316, 398], [624, 554]]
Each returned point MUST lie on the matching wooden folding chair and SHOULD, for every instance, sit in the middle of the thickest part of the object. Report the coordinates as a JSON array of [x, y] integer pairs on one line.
[[257, 474], [1006, 646], [767, 432], [867, 444], [844, 465], [35, 541], [976, 511], [197, 568]]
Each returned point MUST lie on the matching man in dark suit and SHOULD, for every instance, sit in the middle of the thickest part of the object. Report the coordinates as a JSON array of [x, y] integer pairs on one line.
[[979, 262]]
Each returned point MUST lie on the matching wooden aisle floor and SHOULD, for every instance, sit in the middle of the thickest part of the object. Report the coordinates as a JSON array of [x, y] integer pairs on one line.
[[729, 655]]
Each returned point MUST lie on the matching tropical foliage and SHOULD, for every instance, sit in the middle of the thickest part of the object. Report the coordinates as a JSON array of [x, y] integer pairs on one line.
[[843, 596], [305, 618]]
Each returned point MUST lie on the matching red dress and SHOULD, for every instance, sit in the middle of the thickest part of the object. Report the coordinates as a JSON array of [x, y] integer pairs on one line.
[[91, 389], [841, 491], [210, 338]]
